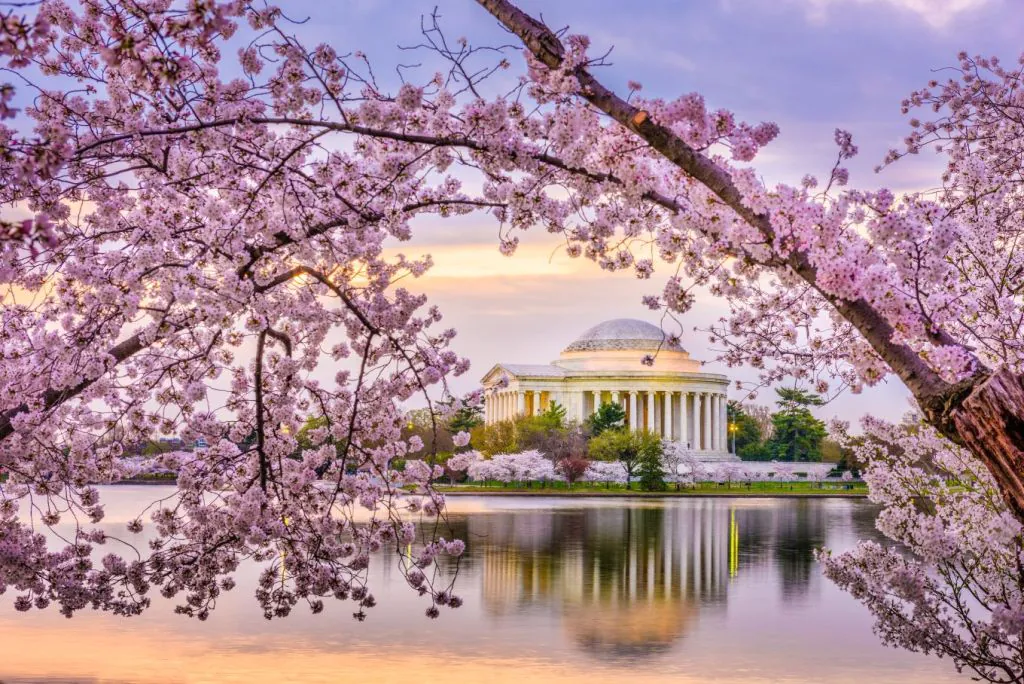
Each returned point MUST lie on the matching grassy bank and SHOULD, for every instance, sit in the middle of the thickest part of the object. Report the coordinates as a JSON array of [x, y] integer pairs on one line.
[[782, 489]]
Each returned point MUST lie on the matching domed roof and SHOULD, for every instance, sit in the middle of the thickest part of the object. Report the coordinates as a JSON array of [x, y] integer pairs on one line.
[[623, 334]]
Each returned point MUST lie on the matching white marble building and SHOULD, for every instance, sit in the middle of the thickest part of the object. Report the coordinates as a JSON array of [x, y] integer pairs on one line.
[[673, 397]]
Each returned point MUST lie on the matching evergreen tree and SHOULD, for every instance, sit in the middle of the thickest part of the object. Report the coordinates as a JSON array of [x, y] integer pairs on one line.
[[798, 434], [607, 417], [554, 417]]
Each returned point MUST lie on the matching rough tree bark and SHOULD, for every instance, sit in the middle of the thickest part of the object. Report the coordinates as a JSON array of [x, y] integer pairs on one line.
[[984, 413]]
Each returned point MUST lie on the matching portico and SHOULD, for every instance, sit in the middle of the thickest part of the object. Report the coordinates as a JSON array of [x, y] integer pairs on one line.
[[672, 398]]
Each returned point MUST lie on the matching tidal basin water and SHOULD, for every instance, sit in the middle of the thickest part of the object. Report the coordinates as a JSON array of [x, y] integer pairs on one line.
[[567, 590]]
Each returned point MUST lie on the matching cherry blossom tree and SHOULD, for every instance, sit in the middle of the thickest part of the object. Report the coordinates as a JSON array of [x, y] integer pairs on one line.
[[524, 466], [605, 471], [953, 586]]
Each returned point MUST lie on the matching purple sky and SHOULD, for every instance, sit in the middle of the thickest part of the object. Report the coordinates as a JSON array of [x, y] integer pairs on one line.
[[809, 65]]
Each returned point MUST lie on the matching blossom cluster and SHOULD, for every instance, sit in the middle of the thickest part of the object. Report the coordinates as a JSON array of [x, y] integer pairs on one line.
[[953, 584]]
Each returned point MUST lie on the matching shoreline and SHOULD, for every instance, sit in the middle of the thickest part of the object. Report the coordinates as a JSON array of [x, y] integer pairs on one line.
[[661, 495], [612, 494]]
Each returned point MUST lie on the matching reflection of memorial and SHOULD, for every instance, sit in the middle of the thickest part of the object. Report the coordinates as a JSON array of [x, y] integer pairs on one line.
[[632, 580], [626, 580]]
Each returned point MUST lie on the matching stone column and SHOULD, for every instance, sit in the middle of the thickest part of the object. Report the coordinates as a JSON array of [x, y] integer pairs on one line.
[[597, 401], [669, 433], [489, 409], [521, 403], [632, 410], [707, 421], [698, 424], [657, 414], [725, 422], [650, 411], [537, 410], [714, 423], [684, 418]]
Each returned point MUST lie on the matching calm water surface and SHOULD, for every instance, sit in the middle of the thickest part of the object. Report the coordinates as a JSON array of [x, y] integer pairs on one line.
[[568, 590]]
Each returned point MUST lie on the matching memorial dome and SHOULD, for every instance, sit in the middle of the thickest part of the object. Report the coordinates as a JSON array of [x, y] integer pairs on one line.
[[622, 334]]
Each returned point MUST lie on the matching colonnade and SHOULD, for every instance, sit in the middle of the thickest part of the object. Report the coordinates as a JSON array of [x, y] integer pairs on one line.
[[697, 419]]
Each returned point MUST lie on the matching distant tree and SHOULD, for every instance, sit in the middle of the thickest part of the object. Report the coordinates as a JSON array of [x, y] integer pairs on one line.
[[431, 427], [554, 417], [672, 457], [572, 468], [156, 447], [607, 417], [831, 451], [466, 418], [762, 415], [309, 430], [744, 429], [760, 451], [627, 447], [798, 434], [497, 438], [651, 471]]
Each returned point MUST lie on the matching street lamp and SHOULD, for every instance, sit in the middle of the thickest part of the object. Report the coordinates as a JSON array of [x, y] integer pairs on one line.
[[732, 431]]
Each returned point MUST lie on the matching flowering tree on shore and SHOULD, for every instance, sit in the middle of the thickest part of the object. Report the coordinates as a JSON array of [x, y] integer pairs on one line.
[[525, 466], [953, 586], [605, 471]]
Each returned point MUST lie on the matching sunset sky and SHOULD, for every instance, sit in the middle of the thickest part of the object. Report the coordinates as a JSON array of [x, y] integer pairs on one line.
[[809, 65]]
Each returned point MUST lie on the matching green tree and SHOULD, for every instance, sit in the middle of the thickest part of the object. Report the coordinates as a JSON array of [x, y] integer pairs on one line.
[[798, 434], [629, 448], [607, 417], [466, 418], [303, 435], [744, 429], [759, 451], [497, 438], [554, 417], [651, 471]]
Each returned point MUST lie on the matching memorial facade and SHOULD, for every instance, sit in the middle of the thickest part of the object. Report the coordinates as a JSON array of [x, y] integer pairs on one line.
[[672, 398]]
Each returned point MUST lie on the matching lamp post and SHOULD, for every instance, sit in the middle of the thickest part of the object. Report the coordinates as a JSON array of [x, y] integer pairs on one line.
[[732, 431]]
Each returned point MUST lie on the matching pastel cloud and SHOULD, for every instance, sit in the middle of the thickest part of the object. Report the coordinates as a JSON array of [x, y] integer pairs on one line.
[[936, 13]]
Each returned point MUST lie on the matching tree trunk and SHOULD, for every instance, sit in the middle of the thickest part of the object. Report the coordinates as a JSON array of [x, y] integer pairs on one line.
[[990, 422]]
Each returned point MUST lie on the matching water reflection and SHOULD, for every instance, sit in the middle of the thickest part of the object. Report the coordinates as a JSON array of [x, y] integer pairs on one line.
[[591, 591], [628, 581]]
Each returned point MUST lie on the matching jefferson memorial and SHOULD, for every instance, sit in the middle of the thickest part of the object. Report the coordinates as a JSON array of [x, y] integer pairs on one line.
[[672, 398]]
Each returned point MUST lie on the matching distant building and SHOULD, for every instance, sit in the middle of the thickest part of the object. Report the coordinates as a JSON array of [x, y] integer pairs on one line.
[[672, 397]]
